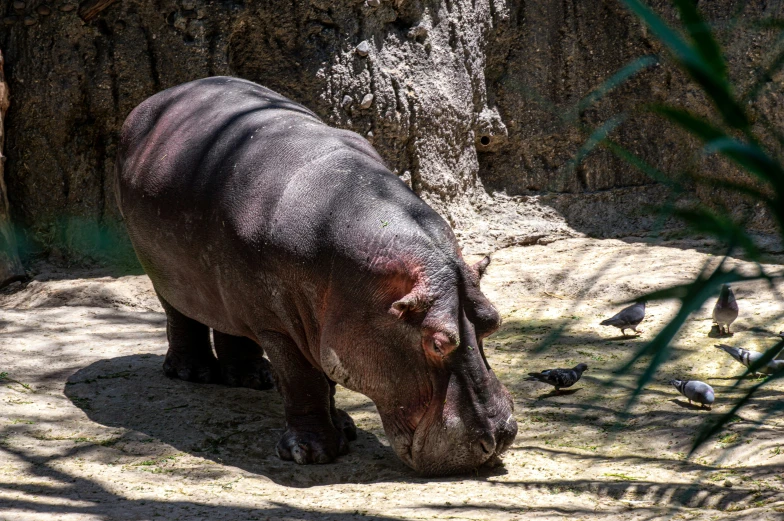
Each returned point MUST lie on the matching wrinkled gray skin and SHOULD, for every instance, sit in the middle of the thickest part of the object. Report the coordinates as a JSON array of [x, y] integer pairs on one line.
[[694, 390], [255, 219]]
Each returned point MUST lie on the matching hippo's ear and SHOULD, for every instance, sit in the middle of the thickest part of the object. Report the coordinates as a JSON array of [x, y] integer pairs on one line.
[[414, 302], [481, 266]]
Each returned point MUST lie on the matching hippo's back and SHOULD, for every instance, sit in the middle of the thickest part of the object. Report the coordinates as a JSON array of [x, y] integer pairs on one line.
[[200, 137], [230, 192]]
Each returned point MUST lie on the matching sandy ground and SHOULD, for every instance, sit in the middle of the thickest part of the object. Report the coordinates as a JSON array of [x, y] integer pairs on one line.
[[91, 429]]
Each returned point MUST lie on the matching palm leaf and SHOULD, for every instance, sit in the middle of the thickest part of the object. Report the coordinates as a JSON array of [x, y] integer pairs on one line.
[[620, 77], [702, 219], [693, 124], [764, 78], [751, 158], [715, 427], [702, 71], [596, 138], [702, 37], [642, 165]]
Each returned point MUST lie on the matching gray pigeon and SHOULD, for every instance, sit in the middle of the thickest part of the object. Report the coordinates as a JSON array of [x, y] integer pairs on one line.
[[747, 358], [726, 309], [700, 392], [628, 318], [558, 377]]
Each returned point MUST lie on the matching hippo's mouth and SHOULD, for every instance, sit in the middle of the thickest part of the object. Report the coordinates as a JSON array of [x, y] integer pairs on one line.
[[436, 438], [440, 443]]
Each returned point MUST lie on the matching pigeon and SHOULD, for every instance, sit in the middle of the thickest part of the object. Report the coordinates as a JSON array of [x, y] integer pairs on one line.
[[558, 377], [747, 358], [700, 392], [726, 309], [628, 318]]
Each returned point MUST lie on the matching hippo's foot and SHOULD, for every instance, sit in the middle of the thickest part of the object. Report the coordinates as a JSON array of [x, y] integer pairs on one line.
[[344, 423], [201, 368], [190, 355], [312, 446], [253, 374]]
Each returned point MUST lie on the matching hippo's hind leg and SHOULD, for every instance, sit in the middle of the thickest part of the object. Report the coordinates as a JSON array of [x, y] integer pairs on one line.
[[190, 354], [242, 362], [311, 435]]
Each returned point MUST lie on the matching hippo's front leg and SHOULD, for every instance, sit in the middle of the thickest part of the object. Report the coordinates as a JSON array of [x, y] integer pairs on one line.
[[311, 436], [341, 419]]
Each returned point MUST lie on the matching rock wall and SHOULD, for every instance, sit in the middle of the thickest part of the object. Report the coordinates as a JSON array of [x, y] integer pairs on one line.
[[461, 97], [548, 56], [10, 265], [409, 75]]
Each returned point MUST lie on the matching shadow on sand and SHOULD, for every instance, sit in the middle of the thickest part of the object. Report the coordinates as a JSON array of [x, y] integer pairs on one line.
[[231, 426], [690, 406]]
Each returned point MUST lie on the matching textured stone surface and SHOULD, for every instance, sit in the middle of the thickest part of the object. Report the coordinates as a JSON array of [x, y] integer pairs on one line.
[[550, 55], [77, 81]]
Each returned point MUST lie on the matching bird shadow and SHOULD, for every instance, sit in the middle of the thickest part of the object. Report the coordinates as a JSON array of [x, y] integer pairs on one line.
[[565, 392], [747, 377], [622, 337], [765, 331], [687, 405], [715, 333]]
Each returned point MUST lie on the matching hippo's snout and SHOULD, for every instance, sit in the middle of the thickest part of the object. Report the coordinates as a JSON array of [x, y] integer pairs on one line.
[[496, 440], [463, 434], [505, 433]]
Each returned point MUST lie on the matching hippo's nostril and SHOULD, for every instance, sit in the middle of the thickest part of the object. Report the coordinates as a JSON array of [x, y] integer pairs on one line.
[[488, 444]]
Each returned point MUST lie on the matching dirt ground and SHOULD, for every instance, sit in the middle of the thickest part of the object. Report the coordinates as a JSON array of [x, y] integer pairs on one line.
[[90, 429]]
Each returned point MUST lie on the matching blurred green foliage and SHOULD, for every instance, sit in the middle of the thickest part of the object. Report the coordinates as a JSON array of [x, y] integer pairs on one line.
[[79, 241], [730, 133]]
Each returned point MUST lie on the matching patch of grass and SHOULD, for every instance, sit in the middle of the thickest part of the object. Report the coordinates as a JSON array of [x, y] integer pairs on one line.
[[592, 356], [5, 378], [158, 461], [121, 374], [109, 442], [82, 403], [620, 475], [19, 420], [17, 402], [541, 418], [729, 438]]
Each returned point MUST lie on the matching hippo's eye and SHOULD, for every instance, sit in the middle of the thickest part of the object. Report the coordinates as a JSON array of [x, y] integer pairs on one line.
[[438, 345]]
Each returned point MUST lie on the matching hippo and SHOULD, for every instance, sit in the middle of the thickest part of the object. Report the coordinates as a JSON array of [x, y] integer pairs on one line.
[[282, 235]]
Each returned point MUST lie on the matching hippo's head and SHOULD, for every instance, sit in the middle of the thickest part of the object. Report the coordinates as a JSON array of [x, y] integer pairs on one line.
[[422, 362]]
